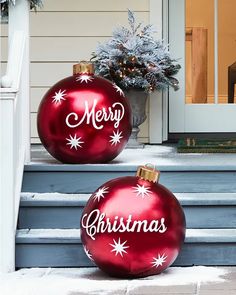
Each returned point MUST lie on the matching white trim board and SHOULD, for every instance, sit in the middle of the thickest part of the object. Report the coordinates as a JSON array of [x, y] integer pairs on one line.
[[156, 100], [177, 39]]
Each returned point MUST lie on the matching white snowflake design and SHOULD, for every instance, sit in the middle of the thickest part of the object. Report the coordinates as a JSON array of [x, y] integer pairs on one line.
[[89, 255], [84, 78], [116, 137], [74, 142], [118, 89], [142, 191], [119, 247], [159, 260], [100, 193], [59, 96]]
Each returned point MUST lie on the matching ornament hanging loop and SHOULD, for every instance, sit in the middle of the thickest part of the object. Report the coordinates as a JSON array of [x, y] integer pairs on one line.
[[148, 172]]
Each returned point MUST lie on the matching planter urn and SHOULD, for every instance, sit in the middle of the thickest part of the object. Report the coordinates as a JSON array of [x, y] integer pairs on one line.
[[137, 99]]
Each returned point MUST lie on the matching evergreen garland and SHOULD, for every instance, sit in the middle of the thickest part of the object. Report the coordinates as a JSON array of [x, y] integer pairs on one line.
[[132, 58], [34, 4]]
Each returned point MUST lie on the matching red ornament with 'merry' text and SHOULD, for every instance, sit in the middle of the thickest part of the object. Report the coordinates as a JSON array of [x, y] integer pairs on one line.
[[84, 118], [133, 226]]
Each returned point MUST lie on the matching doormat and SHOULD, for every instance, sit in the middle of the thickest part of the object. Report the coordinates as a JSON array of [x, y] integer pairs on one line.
[[192, 145]]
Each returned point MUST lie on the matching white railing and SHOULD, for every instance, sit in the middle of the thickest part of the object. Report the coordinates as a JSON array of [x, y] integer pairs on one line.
[[14, 129]]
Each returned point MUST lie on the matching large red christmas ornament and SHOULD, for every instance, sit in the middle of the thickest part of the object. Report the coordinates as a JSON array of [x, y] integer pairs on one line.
[[133, 226], [84, 118]]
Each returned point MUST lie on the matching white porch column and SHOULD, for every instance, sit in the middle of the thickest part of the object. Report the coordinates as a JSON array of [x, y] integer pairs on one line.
[[14, 112], [7, 204], [19, 20]]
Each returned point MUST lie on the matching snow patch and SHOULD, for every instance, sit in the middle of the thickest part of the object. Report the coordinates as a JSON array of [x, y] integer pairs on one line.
[[92, 281], [49, 233]]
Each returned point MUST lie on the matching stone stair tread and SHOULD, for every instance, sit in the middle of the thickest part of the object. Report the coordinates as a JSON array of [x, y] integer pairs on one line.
[[62, 199], [31, 236]]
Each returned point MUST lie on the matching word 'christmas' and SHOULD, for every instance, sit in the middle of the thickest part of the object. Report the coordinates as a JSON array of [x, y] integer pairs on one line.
[[95, 222], [115, 113]]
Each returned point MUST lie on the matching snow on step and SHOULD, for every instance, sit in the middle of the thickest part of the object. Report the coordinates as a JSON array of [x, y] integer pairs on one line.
[[211, 235], [203, 199], [192, 235], [165, 157], [85, 281], [47, 235], [52, 196]]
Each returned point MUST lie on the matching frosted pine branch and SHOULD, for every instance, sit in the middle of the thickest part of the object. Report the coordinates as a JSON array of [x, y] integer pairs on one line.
[[133, 58]]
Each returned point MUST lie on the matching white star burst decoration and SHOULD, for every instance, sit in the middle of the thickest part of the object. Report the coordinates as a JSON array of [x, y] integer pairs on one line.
[[142, 191], [59, 96], [118, 89], [89, 255], [159, 260], [84, 78], [119, 248], [116, 137], [100, 193], [74, 142]]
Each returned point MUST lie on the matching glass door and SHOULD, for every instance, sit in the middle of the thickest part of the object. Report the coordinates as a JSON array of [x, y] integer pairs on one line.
[[202, 34]]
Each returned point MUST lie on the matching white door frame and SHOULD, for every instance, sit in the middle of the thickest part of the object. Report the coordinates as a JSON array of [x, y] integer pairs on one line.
[[176, 39], [158, 106], [194, 118]]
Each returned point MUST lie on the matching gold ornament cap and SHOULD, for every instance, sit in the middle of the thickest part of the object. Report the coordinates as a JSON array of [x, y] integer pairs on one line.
[[148, 172], [83, 67]]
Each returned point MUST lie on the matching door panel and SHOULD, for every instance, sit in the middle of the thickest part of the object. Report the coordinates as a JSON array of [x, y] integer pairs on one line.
[[203, 35], [226, 47]]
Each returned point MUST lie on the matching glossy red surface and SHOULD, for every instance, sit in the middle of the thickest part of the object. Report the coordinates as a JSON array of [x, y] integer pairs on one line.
[[132, 227], [84, 119]]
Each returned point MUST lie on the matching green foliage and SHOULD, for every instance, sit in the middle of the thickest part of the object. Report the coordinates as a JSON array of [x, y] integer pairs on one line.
[[132, 58]]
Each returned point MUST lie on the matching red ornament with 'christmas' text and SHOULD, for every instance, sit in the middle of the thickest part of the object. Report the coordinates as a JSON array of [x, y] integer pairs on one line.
[[84, 118], [133, 226]]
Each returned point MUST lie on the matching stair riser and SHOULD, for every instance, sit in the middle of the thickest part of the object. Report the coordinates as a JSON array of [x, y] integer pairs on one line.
[[72, 255], [87, 181], [69, 217]]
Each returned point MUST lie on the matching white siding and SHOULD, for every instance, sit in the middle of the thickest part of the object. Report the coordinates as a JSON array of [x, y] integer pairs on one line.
[[64, 32]]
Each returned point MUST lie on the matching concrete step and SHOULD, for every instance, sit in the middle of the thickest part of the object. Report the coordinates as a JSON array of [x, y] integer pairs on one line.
[[63, 248], [55, 210]]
